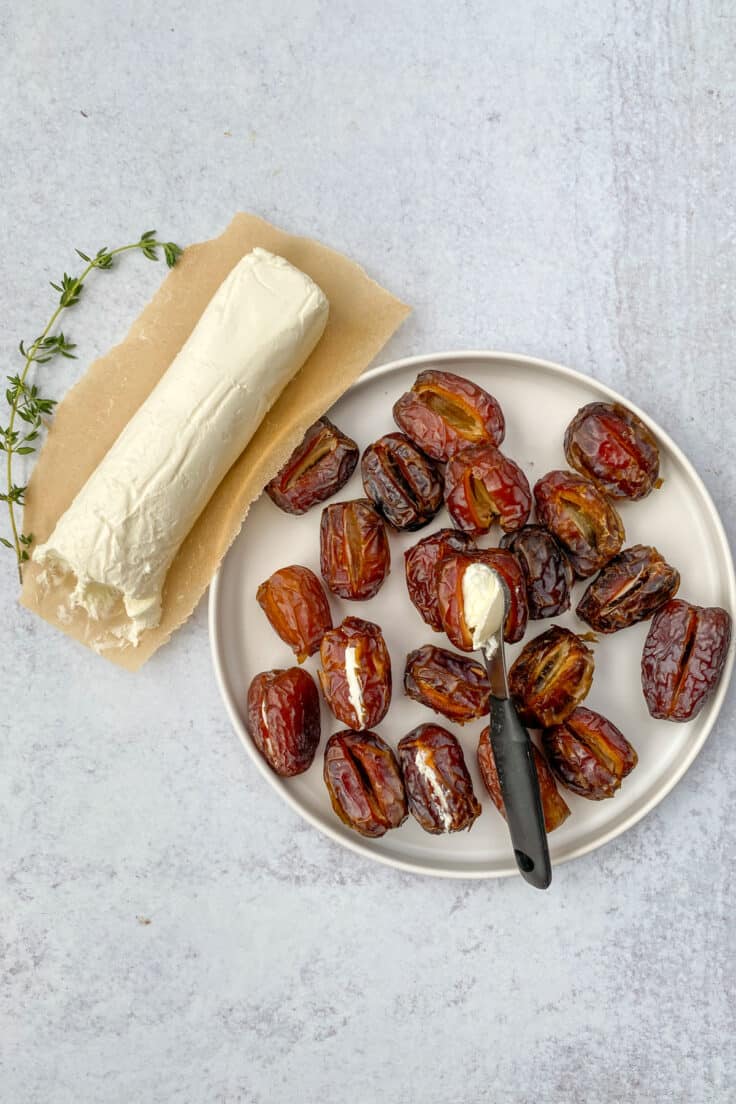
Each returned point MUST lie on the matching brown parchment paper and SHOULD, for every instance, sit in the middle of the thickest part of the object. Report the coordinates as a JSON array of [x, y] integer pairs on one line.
[[362, 318]]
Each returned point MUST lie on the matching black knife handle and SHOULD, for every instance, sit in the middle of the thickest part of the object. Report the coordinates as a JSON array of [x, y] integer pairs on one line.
[[517, 775]]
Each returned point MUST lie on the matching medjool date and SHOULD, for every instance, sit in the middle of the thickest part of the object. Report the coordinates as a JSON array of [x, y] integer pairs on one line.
[[611, 445], [450, 594], [589, 754], [317, 469], [364, 783], [420, 562], [547, 571], [448, 683], [550, 677], [282, 718], [581, 517], [401, 482], [444, 412], [437, 782], [356, 673], [684, 654], [354, 552], [295, 603], [483, 486], [630, 588], [554, 806]]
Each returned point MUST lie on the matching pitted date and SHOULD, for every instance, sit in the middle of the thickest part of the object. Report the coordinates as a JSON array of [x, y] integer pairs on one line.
[[589, 754], [282, 718], [354, 552], [483, 486], [420, 562], [547, 571], [295, 603], [684, 654], [447, 683], [356, 673], [581, 517], [316, 469], [443, 413], [630, 588], [364, 783], [611, 445], [450, 574], [550, 677], [554, 806], [438, 785], [401, 482]]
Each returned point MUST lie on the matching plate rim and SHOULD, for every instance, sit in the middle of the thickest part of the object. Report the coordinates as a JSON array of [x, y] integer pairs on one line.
[[362, 848]]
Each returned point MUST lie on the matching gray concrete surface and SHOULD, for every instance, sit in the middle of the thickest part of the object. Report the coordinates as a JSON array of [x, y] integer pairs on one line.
[[546, 177]]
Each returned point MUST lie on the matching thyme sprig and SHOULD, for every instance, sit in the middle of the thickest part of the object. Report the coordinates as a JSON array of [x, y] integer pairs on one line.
[[29, 409]]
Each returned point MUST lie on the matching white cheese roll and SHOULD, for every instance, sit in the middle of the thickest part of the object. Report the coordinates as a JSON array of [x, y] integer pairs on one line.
[[125, 525]]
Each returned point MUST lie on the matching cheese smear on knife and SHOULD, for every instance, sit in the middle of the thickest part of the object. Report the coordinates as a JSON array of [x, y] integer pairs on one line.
[[123, 529]]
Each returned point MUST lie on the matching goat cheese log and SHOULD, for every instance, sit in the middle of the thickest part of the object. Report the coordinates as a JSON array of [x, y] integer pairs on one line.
[[123, 529]]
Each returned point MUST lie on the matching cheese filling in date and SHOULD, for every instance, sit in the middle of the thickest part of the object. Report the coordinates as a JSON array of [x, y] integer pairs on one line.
[[425, 768], [484, 604], [352, 668]]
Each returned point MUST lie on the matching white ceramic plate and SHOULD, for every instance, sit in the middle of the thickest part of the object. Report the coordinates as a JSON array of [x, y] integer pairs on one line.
[[538, 399]]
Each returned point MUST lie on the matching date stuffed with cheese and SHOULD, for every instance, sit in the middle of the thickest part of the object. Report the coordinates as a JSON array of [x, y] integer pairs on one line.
[[420, 564], [356, 673], [451, 588], [438, 786]]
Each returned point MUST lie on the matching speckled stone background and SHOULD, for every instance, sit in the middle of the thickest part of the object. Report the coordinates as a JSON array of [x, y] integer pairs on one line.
[[548, 177]]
